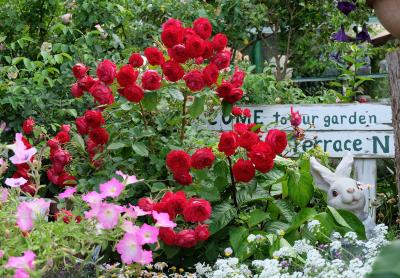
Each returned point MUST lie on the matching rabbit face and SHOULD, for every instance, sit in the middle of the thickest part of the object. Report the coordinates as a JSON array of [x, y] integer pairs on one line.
[[344, 194]]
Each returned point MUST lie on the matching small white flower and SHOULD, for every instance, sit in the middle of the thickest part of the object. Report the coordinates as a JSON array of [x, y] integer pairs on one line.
[[251, 238], [314, 226], [228, 251]]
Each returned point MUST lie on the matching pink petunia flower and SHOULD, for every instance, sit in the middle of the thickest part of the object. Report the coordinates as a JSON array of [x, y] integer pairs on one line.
[[127, 179], [135, 211], [128, 227], [92, 197], [21, 273], [21, 153], [22, 264], [112, 188], [28, 212], [163, 220], [3, 195], [17, 182], [147, 234], [68, 193], [129, 249], [108, 215], [146, 257]]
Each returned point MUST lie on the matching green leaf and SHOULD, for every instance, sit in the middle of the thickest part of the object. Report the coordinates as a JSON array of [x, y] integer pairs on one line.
[[285, 209], [236, 237], [221, 183], [354, 222], [176, 94], [140, 149], [301, 217], [150, 101], [226, 108], [387, 263], [338, 218], [197, 107], [257, 216], [300, 184], [327, 226], [115, 146], [221, 216], [79, 140]]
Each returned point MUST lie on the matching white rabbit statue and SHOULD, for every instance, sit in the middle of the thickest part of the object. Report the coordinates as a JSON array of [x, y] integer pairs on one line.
[[343, 192]]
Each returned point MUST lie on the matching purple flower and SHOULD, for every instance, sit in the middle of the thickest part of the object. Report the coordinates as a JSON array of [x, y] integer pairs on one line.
[[346, 7], [340, 36], [363, 36]]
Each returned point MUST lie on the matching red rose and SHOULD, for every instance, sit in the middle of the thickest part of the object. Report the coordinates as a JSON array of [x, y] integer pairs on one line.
[[243, 170], [172, 36], [247, 139], [199, 60], [183, 178], [60, 157], [53, 144], [235, 95], [101, 93], [295, 117], [277, 140], [240, 128], [247, 113], [127, 76], [81, 125], [173, 203], [202, 158], [237, 111], [136, 60], [262, 156], [178, 53], [151, 80], [252, 126], [94, 118], [237, 78], [210, 74], [99, 135], [76, 90], [28, 126], [178, 161], [185, 239], [219, 41], [52, 175], [92, 147], [194, 46], [228, 143], [208, 50], [224, 90], [172, 71], [197, 210], [188, 32], [201, 232], [106, 71], [167, 235], [62, 137], [222, 59], [79, 70], [202, 27], [65, 128], [133, 93], [28, 188], [67, 216], [66, 179], [154, 56], [86, 82], [172, 22], [146, 204], [194, 80]]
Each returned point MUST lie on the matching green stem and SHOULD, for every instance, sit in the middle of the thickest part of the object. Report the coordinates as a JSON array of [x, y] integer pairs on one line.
[[233, 184], [182, 135], [143, 116]]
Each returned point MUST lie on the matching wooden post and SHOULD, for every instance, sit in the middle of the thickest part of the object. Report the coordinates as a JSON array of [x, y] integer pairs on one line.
[[393, 60]]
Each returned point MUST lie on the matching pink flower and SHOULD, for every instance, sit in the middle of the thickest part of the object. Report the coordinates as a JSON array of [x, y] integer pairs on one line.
[[22, 264], [15, 182], [128, 227], [163, 220], [92, 198], [28, 212], [147, 234], [145, 258], [1, 253], [1, 161], [21, 153], [20, 273], [68, 193], [3, 195], [108, 215], [127, 179], [129, 249], [135, 211], [112, 188], [295, 117]]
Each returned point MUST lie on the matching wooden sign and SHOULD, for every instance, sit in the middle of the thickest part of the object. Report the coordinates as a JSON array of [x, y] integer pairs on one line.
[[364, 129]]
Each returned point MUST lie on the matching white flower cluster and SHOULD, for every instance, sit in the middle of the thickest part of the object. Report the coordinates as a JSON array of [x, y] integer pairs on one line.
[[224, 268]]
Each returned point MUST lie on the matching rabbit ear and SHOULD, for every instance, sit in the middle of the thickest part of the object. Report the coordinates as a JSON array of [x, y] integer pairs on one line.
[[345, 166], [323, 177]]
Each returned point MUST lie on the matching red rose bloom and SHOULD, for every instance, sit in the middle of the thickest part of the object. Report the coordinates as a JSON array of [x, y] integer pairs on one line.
[[151, 80], [224, 90], [28, 126], [202, 27], [172, 71], [277, 140], [247, 113], [197, 210], [154, 56], [228, 143], [106, 71], [172, 22], [199, 60], [81, 125], [243, 170], [173, 203], [178, 161], [201, 232], [208, 50], [202, 158], [133, 93], [86, 82], [66, 179], [127, 76], [65, 128], [53, 144], [99, 135], [63, 137], [194, 46], [178, 53], [136, 60], [94, 118], [60, 157], [210, 74], [76, 90], [194, 80], [247, 139], [79, 70], [28, 188], [188, 32], [185, 239], [237, 78], [219, 41], [183, 178], [240, 128], [101, 93], [222, 59], [167, 235], [172, 36], [235, 95], [237, 111], [146, 204], [262, 156]]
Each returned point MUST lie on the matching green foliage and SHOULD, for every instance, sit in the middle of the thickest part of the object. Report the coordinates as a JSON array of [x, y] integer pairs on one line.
[[386, 264]]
